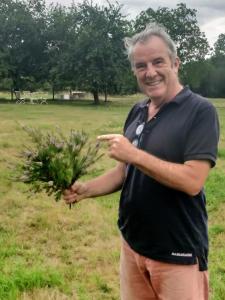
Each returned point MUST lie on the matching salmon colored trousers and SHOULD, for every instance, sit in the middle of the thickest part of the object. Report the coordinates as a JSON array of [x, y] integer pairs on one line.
[[142, 278]]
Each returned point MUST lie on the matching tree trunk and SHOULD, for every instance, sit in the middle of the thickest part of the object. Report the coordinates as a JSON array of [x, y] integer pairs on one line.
[[96, 97], [106, 94], [12, 93], [53, 93]]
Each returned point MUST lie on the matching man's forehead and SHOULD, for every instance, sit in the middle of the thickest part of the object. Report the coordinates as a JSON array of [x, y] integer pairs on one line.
[[152, 53], [152, 48], [153, 44]]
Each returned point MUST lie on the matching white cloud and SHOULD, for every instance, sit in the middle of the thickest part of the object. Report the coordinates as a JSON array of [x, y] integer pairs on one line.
[[214, 28]]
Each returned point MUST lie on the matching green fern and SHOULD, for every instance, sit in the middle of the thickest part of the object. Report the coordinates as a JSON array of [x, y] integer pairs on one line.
[[55, 161]]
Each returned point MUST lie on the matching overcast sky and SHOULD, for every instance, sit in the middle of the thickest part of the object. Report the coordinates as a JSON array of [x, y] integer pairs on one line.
[[210, 13]]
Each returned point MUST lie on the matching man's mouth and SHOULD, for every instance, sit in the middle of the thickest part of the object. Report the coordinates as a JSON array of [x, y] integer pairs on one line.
[[153, 83]]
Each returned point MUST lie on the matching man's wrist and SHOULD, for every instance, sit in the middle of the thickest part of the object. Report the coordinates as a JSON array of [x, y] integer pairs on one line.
[[136, 157], [87, 189]]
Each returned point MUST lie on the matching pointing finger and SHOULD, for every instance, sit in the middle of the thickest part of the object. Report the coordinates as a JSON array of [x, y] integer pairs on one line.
[[108, 137]]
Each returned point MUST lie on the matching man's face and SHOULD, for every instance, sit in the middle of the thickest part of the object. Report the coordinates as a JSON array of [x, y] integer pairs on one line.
[[156, 74]]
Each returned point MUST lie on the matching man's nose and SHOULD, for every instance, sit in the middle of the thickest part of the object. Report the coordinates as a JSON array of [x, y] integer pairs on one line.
[[150, 70]]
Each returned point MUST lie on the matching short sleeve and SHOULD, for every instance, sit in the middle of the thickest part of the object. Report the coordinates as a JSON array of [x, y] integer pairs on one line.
[[203, 136]]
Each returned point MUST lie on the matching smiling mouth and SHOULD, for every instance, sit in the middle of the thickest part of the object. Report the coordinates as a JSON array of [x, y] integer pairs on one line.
[[153, 83]]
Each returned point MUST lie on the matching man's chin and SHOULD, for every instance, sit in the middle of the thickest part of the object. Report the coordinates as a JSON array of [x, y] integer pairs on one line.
[[154, 91], [154, 94]]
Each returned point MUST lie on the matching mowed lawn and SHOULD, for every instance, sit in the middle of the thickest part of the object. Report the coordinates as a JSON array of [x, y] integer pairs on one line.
[[50, 252]]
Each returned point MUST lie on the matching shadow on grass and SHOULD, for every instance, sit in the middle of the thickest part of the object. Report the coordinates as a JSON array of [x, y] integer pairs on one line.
[[50, 101]]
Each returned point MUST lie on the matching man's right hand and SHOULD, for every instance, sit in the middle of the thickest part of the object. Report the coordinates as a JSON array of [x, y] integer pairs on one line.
[[105, 184], [75, 193]]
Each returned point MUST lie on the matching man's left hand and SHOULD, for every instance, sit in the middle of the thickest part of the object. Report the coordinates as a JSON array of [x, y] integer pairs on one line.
[[120, 147]]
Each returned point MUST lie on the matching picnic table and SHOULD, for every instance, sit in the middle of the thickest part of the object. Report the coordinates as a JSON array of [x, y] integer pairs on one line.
[[77, 94], [29, 97]]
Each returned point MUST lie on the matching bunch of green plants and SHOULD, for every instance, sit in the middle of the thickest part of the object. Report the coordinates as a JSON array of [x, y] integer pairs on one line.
[[54, 161]]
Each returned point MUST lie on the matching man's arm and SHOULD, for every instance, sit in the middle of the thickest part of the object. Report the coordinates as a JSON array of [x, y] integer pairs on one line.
[[105, 184], [188, 177]]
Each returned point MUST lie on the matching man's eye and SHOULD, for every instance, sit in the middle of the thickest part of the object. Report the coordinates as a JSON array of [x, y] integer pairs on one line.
[[140, 66], [158, 62]]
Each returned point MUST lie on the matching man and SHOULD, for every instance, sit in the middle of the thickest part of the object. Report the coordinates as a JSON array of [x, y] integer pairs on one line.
[[164, 157]]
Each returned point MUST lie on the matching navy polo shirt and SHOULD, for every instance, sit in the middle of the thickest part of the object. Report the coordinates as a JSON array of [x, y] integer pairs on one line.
[[157, 221]]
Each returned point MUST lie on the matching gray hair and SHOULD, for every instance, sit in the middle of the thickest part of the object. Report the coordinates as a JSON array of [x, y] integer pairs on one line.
[[152, 29]]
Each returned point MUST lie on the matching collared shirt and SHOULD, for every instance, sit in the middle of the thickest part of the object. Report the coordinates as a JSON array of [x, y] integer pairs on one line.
[[157, 221]]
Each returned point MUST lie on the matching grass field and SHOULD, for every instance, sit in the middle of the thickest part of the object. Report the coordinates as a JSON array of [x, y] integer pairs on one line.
[[50, 252]]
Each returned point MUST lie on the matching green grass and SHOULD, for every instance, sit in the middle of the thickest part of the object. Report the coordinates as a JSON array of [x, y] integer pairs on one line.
[[50, 252], [23, 279]]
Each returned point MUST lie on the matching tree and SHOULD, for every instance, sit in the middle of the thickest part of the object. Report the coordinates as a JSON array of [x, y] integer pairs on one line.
[[97, 56], [217, 76], [219, 46], [81, 47], [21, 40], [61, 34], [182, 26], [207, 77]]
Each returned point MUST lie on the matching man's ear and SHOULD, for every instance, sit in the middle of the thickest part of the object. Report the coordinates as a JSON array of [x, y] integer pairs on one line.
[[133, 69], [176, 64]]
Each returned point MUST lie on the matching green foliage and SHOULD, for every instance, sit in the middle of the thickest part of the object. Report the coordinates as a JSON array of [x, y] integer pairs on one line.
[[216, 77], [24, 280], [101, 285], [22, 42], [214, 189], [219, 46], [56, 161], [221, 153], [100, 31], [216, 229], [81, 47], [181, 23]]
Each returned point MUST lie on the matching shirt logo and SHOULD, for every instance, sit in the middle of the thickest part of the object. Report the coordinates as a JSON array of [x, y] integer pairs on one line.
[[181, 254]]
